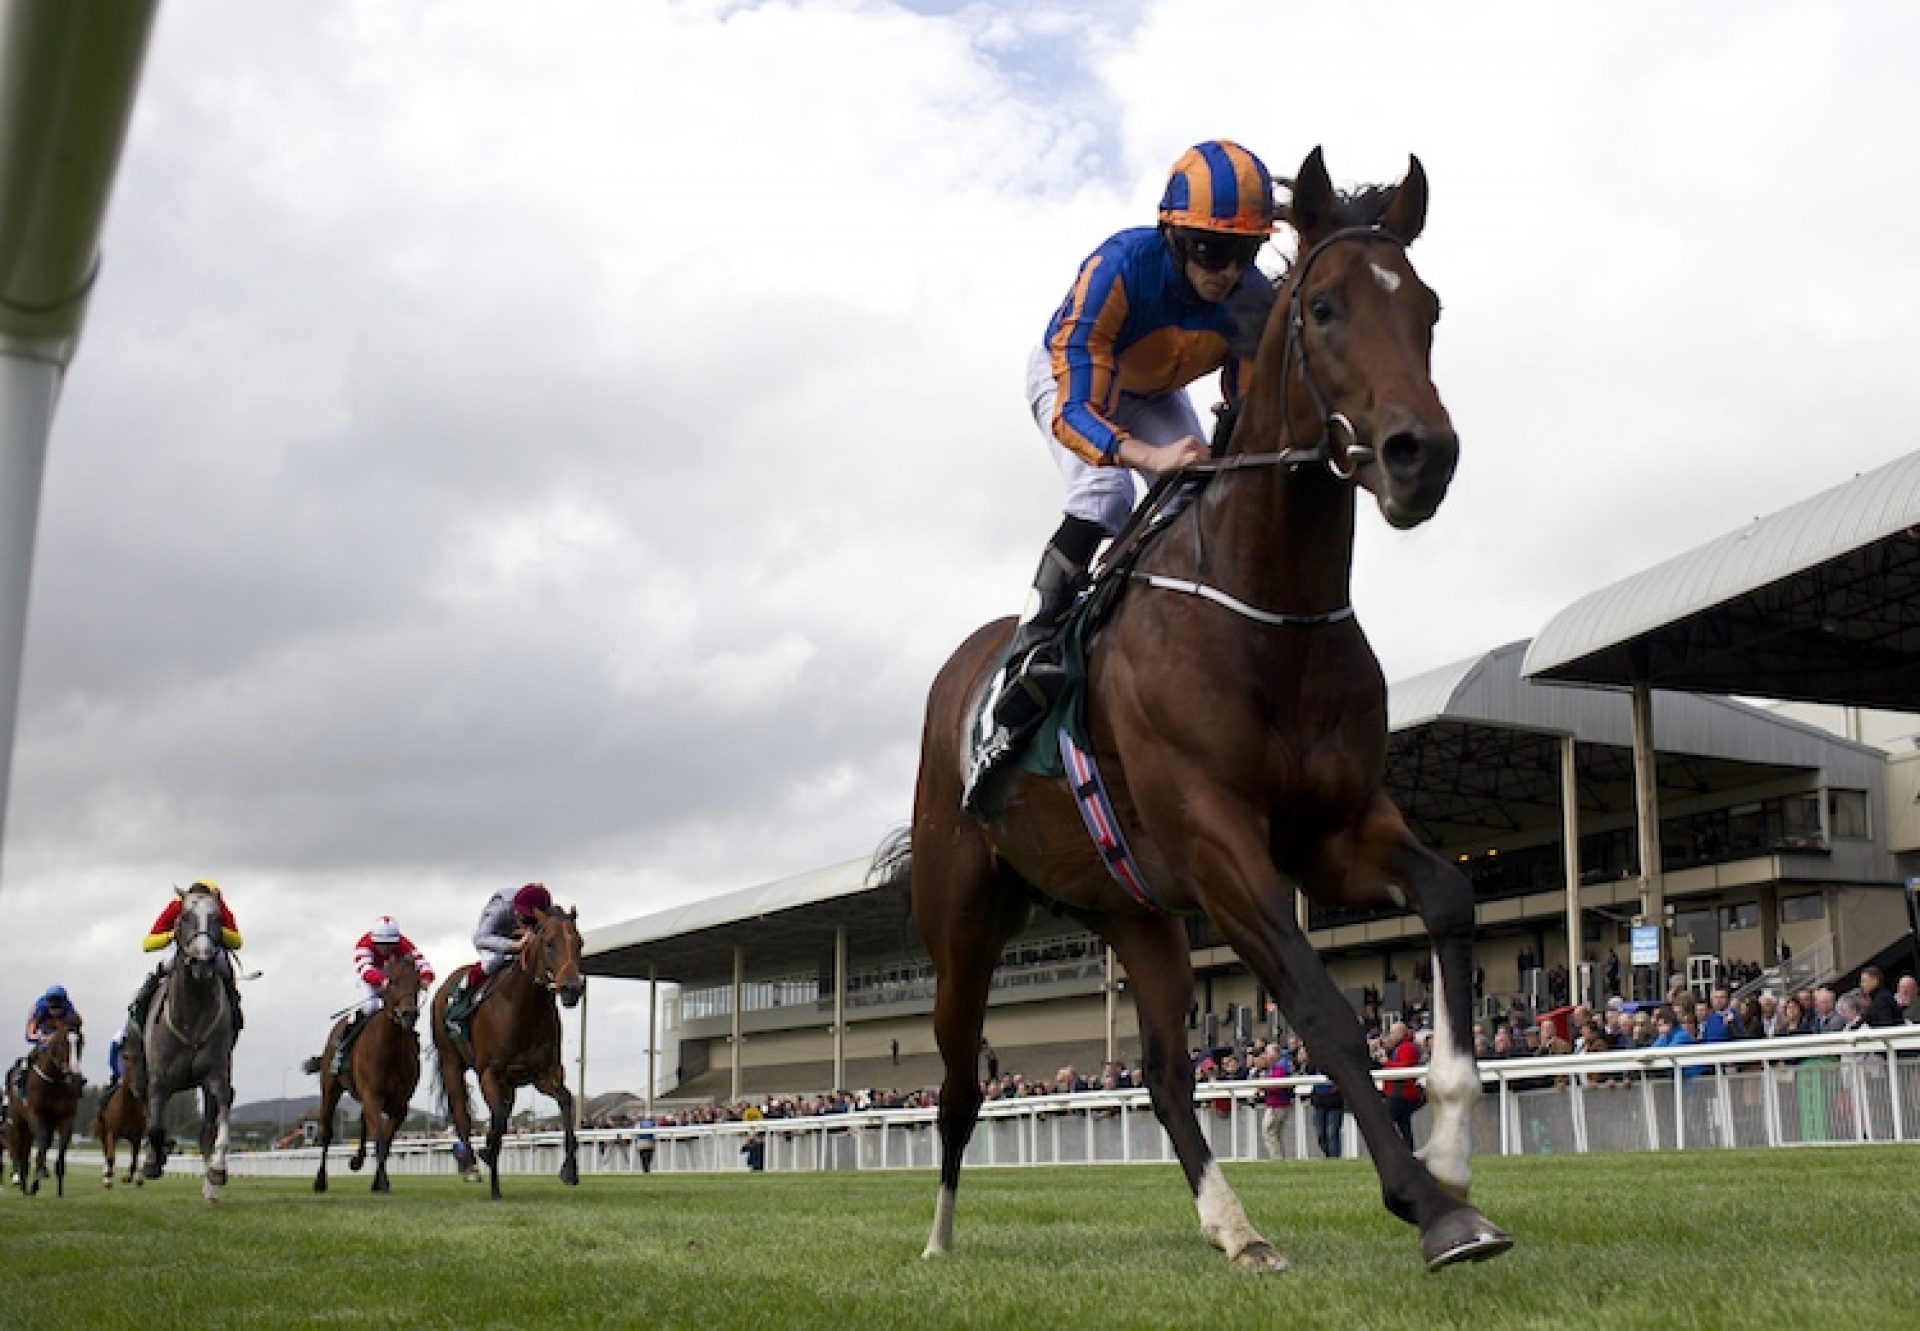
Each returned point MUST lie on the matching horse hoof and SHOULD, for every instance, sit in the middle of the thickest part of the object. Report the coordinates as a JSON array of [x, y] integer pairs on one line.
[[570, 1174], [471, 1175], [1259, 1256], [217, 1177], [1462, 1236], [319, 1185], [357, 1164]]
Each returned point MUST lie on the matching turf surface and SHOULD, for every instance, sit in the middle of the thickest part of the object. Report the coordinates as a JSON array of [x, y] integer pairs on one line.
[[1787, 1238]]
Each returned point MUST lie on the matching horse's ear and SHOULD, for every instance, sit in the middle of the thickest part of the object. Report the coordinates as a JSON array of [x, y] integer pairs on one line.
[[178, 893], [1406, 214], [1311, 208]]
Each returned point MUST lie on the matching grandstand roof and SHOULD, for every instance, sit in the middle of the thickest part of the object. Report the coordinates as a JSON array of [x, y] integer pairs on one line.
[[1819, 602]]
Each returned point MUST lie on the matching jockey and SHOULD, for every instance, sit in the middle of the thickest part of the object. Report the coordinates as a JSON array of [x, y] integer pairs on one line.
[[1152, 310], [370, 956], [161, 936], [498, 938], [51, 1013]]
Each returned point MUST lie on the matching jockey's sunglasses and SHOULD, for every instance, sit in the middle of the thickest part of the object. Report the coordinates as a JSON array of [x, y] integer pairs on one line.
[[1217, 253]]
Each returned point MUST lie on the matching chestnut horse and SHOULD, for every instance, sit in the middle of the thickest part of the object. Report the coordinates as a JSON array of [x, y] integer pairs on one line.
[[45, 1113], [120, 1118], [515, 1042], [383, 1067], [1239, 719]]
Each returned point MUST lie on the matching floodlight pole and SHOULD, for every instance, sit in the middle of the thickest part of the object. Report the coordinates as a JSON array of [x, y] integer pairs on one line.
[[1570, 861], [1646, 796], [69, 70]]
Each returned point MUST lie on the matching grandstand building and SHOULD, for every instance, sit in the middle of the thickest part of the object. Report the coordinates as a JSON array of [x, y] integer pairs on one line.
[[1551, 771]]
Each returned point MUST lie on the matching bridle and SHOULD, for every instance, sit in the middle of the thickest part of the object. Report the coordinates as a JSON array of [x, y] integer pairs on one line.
[[1355, 454], [544, 977], [205, 925]]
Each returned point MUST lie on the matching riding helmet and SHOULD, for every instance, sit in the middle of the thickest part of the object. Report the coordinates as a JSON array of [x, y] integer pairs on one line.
[[1219, 186], [385, 930], [532, 900]]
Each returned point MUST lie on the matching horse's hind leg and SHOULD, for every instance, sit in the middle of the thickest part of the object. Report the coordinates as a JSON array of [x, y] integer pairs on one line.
[[499, 1097], [966, 910], [367, 1119], [329, 1105], [217, 1106], [1160, 969]]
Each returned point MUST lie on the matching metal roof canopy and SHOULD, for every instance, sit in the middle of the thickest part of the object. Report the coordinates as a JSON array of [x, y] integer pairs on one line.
[[1473, 754], [1819, 602]]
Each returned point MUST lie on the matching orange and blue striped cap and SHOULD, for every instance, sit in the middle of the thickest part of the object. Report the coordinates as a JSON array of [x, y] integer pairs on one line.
[[1219, 186]]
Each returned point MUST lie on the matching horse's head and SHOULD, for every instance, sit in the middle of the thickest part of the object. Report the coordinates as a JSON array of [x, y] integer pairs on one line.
[[53, 1056], [400, 996], [553, 955], [1358, 339], [197, 932]]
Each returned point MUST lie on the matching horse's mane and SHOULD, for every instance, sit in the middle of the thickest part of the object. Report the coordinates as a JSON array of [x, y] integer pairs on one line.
[[1250, 304]]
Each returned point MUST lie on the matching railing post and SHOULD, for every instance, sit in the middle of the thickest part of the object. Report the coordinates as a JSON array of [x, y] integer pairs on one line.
[[1771, 1098]]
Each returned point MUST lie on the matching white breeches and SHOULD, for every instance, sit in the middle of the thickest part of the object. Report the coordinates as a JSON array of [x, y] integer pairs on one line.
[[1106, 495]]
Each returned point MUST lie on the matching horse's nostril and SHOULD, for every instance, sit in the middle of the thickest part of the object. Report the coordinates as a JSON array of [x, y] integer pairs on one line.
[[1401, 452]]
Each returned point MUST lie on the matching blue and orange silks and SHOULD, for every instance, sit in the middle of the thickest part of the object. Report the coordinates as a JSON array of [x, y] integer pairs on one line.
[[1132, 324]]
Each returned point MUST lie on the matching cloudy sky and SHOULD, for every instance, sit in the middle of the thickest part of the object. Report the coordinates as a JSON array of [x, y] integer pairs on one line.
[[562, 441]]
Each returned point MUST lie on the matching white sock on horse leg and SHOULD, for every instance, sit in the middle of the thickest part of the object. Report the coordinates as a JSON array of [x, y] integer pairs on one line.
[[941, 1239], [1453, 1084]]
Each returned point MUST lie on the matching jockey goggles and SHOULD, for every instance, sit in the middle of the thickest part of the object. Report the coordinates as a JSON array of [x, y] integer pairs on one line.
[[1215, 251]]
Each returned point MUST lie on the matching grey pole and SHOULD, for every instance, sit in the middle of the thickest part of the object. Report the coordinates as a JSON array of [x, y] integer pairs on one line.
[[1646, 797], [69, 70], [653, 1031], [839, 1006], [739, 976], [1570, 860]]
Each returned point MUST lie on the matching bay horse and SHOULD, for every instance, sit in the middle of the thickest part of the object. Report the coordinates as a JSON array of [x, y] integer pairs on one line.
[[188, 1042], [515, 1042], [120, 1118], [383, 1068], [44, 1113], [1239, 719]]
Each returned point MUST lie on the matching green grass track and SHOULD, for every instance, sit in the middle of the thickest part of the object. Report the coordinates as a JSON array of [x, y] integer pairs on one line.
[[1753, 1239]]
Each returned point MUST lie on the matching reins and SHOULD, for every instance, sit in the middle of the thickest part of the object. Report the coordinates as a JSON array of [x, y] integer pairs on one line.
[[174, 980], [1355, 454]]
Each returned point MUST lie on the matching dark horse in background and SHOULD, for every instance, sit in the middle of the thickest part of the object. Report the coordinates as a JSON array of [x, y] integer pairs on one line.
[[120, 1118], [515, 1042], [383, 1067], [1239, 718], [44, 1113], [188, 1042]]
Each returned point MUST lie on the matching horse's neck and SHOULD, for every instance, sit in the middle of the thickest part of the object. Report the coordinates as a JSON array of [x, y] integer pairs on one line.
[[1278, 537]]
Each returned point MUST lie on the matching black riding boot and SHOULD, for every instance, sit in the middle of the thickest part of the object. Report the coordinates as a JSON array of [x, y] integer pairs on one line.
[[137, 1009], [344, 1049], [1034, 669]]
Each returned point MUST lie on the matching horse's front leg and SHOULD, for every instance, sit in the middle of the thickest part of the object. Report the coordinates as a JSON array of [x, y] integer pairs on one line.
[[390, 1121], [554, 1086], [1160, 969], [156, 1136], [499, 1098], [359, 1160], [1444, 898], [1253, 907], [60, 1162], [217, 1104]]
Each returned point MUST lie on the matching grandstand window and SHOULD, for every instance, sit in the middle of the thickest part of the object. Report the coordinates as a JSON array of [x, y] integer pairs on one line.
[[1744, 915], [1801, 909], [1847, 814]]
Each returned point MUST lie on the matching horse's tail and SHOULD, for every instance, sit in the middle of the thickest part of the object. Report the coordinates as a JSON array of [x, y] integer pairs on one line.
[[893, 859], [446, 1091], [312, 1065]]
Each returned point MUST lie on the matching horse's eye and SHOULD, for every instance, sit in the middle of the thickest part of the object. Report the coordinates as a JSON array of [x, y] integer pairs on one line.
[[1322, 309]]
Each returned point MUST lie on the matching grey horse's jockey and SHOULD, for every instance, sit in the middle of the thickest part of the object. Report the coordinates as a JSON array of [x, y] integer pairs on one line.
[[370, 956], [498, 937], [160, 936]]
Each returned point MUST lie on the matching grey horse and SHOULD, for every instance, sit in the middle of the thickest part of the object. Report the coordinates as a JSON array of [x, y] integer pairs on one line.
[[188, 1042]]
